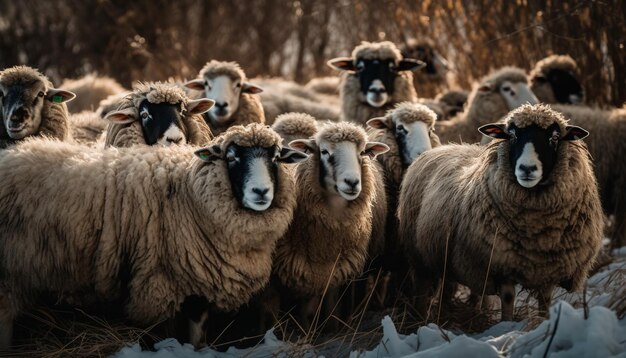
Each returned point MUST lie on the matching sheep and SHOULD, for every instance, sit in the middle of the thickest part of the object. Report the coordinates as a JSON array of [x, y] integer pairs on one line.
[[433, 77], [158, 113], [495, 95], [376, 77], [31, 106], [452, 102], [292, 126], [90, 90], [235, 100], [341, 207], [555, 79], [158, 224], [87, 127], [523, 210], [606, 144], [324, 85]]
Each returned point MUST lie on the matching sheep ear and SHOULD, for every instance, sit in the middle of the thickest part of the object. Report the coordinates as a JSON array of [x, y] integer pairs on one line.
[[123, 116], [342, 63], [495, 130], [199, 106], [56, 95], [291, 156], [197, 84], [305, 145], [380, 123], [574, 133], [210, 153], [410, 64], [373, 149], [247, 87]]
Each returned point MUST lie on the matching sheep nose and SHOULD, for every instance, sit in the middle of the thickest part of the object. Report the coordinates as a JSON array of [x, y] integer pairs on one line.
[[221, 105], [260, 192], [527, 169], [352, 182], [377, 90], [20, 115]]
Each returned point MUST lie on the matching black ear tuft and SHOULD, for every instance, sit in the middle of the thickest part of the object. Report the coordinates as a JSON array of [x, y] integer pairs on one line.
[[495, 130], [574, 133]]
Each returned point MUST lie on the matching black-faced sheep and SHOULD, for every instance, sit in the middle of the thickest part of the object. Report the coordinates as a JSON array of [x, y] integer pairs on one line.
[[433, 77], [158, 113], [341, 207], [555, 79], [495, 95], [235, 99], [376, 77], [158, 224], [452, 103], [292, 126], [523, 210], [31, 106], [90, 90]]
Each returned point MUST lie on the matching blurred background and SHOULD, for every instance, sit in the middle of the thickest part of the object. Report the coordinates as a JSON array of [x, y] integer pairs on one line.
[[157, 39]]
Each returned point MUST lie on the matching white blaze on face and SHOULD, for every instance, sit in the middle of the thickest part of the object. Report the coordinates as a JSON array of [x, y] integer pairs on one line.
[[258, 187], [516, 94], [416, 140], [528, 168], [225, 92], [344, 174], [172, 136], [376, 94]]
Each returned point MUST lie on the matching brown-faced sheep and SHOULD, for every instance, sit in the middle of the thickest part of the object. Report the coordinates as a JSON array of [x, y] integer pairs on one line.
[[340, 207], [496, 95], [522, 210], [607, 130], [180, 226], [433, 77], [90, 90], [292, 126], [158, 113], [376, 77], [555, 79], [31, 106], [235, 98]]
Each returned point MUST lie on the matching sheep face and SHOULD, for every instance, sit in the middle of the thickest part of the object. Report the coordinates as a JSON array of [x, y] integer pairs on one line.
[[225, 91], [413, 137], [376, 76], [340, 164], [532, 149], [252, 171], [516, 94], [436, 65], [161, 123], [563, 86], [22, 104]]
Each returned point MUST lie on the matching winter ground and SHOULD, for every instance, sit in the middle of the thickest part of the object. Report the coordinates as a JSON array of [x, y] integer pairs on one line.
[[580, 325]]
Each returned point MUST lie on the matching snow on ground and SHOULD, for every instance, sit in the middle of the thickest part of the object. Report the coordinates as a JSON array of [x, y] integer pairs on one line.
[[566, 334]]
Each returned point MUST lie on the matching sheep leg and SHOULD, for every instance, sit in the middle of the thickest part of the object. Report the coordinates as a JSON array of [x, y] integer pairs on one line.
[[196, 330], [507, 298], [544, 298], [7, 315]]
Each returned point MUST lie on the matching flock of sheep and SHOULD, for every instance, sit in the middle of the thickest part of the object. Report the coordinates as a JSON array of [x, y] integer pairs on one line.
[[224, 194]]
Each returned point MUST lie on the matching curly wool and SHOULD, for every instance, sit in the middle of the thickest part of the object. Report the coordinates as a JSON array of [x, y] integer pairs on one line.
[[254, 134], [161, 215], [540, 115], [292, 126], [491, 225], [377, 51], [216, 68], [342, 132], [194, 128], [483, 107], [54, 116]]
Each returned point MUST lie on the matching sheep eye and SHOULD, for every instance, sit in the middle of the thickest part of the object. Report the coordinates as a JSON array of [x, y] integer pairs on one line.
[[400, 129], [231, 157], [40, 94], [144, 115], [238, 85], [554, 139], [324, 152], [506, 88], [513, 137], [360, 67]]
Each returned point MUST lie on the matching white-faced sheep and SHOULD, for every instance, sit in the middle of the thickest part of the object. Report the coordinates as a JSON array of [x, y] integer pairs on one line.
[[235, 99], [292, 126], [523, 210], [158, 113], [340, 208], [555, 79], [179, 226], [31, 106], [376, 77], [495, 95], [452, 102], [433, 77], [90, 90], [606, 144]]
